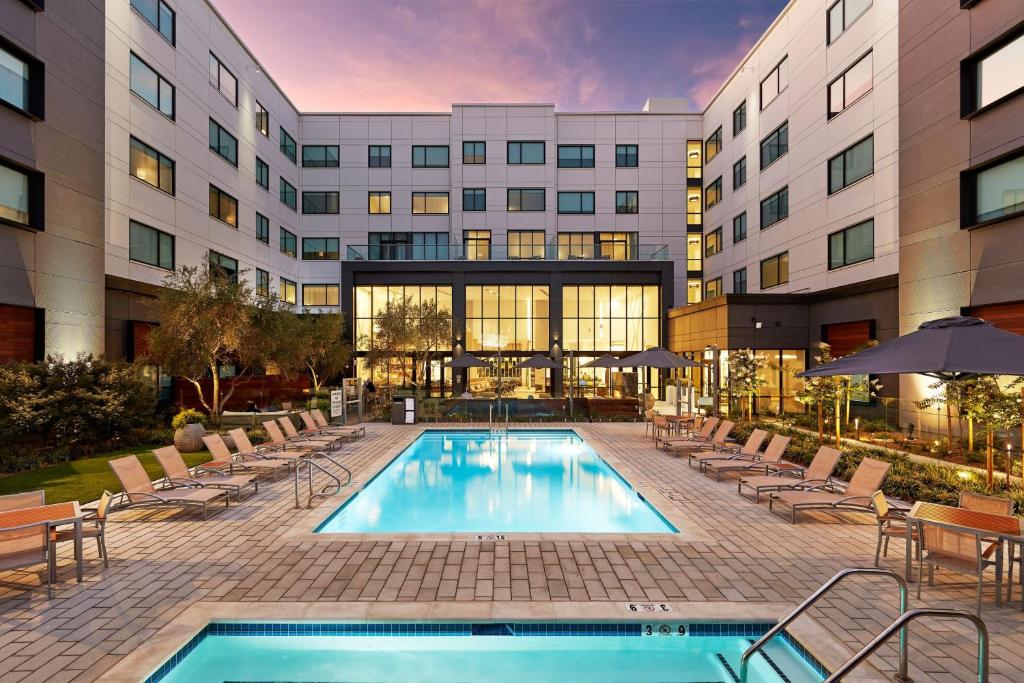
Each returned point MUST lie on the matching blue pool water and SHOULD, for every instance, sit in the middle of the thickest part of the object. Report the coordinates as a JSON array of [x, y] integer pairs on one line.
[[491, 653], [471, 481]]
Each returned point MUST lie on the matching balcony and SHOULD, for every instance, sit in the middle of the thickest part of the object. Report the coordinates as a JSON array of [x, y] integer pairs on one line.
[[610, 251]]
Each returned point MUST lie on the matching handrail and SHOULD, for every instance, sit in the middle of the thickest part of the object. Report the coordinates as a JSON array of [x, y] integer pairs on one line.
[[310, 464], [901, 625], [817, 595]]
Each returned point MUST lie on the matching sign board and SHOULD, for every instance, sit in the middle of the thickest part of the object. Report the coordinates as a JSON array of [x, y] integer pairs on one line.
[[337, 403], [705, 401]]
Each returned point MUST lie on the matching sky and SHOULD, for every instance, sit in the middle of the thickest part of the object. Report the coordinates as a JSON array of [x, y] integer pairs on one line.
[[379, 55]]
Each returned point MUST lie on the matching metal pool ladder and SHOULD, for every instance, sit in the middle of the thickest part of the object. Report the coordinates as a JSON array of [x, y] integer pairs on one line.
[[330, 489], [498, 430], [900, 624]]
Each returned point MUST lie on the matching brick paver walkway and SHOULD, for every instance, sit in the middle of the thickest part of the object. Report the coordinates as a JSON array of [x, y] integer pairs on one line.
[[164, 561]]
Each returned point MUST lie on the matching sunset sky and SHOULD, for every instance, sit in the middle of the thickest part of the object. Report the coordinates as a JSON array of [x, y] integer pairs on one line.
[[343, 55]]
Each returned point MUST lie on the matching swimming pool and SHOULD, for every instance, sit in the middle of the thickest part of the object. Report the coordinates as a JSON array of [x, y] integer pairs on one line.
[[491, 652], [451, 481]]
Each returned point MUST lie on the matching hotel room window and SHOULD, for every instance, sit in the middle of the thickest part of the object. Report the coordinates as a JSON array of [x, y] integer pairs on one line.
[[223, 80], [526, 152]]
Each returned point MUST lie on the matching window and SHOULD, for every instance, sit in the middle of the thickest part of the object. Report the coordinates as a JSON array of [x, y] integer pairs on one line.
[[223, 266], [157, 14], [713, 145], [775, 145], [262, 120], [616, 246], [626, 156], [150, 166], [380, 202], [22, 81], [739, 118], [627, 201], [320, 249], [775, 271], [477, 244], [713, 242], [405, 246], [575, 202], [773, 84], [575, 156], [851, 85], [144, 82], [474, 152], [150, 246], [739, 228], [262, 283], [851, 165], [842, 14], [507, 317], [694, 251], [287, 144], [320, 156], [713, 193], [527, 200], [526, 152], [474, 199], [262, 174], [380, 156], [576, 245], [429, 202], [611, 318], [525, 244], [223, 80], [992, 192], [852, 245], [223, 206], [694, 165], [286, 291], [992, 74], [223, 143], [694, 206], [262, 228], [775, 208], [369, 301], [429, 156], [321, 295], [713, 288], [739, 281], [286, 193], [287, 242], [739, 173], [320, 202]]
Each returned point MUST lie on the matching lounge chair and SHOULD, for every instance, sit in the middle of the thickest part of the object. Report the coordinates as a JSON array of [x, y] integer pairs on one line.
[[714, 443], [771, 457], [892, 523], [286, 436], [322, 421], [140, 492], [749, 452], [94, 525], [790, 476], [704, 434], [28, 545], [223, 460], [179, 474], [856, 497], [314, 430], [245, 450]]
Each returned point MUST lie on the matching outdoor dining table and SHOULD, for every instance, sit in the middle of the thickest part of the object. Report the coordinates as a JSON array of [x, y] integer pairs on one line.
[[984, 524], [54, 515], [677, 421]]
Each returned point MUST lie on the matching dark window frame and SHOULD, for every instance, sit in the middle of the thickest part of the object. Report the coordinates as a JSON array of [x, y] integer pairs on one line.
[[287, 145], [326, 162], [160, 4], [262, 120], [766, 142], [741, 166], [475, 193], [370, 156], [719, 288], [741, 215], [736, 289], [520, 190], [424, 164], [222, 132], [847, 184], [844, 232], [283, 286], [778, 259], [285, 189], [159, 155], [581, 212], [265, 237], [218, 263], [430, 193], [508, 152], [715, 184], [625, 207], [829, 114], [739, 118], [774, 195], [581, 162], [262, 173], [969, 107], [829, 40], [626, 153], [220, 195], [477, 159], [380, 194], [287, 237], [36, 196], [159, 250], [773, 72], [968, 192], [313, 195], [217, 85], [159, 79], [262, 280], [327, 286], [715, 137], [326, 250], [715, 236], [36, 100]]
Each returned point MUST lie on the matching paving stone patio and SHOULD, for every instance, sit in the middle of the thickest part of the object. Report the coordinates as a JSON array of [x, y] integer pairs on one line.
[[163, 561]]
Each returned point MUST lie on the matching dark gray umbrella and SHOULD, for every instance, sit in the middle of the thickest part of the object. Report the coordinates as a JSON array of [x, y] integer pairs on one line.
[[949, 349], [539, 362], [605, 361], [467, 360], [656, 357]]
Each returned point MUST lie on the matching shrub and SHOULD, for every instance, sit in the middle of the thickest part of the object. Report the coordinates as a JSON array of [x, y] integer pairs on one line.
[[188, 416]]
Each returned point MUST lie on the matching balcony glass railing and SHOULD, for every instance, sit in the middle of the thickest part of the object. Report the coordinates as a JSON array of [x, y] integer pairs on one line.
[[612, 251]]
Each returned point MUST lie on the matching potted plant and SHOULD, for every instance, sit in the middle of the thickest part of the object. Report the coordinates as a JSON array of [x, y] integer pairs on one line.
[[189, 430]]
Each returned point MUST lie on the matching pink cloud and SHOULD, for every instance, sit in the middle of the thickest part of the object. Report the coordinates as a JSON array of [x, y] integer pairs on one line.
[[711, 72]]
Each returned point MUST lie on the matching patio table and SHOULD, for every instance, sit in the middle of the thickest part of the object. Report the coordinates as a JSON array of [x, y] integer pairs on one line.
[[678, 421], [54, 515]]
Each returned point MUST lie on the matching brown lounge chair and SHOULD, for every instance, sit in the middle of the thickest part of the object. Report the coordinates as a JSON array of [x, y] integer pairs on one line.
[[286, 436], [856, 497], [714, 443], [140, 492], [748, 452], [311, 429], [223, 460], [178, 474], [771, 457], [787, 475], [321, 420], [703, 434], [246, 450]]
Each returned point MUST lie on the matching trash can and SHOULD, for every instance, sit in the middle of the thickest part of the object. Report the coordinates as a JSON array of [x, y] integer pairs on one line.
[[403, 410]]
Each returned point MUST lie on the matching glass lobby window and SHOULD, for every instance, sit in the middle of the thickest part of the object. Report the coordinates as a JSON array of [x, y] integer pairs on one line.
[[713, 145], [616, 246], [474, 199], [713, 242], [575, 156], [525, 200], [775, 145], [262, 174], [321, 295], [320, 202], [525, 244], [380, 156], [739, 281], [223, 266], [773, 84], [430, 202], [626, 156], [993, 192], [842, 14], [852, 245], [739, 118], [429, 156], [739, 173], [287, 242], [575, 246], [157, 14], [615, 318], [286, 291], [223, 206], [851, 85], [694, 159], [380, 202], [143, 79], [477, 244], [694, 252], [150, 166], [371, 301], [287, 144], [223, 80], [286, 193], [319, 248], [993, 73], [512, 317], [262, 228], [713, 193], [223, 143], [775, 271], [262, 283], [474, 152], [713, 288], [18, 198], [694, 211], [627, 201], [526, 152], [852, 164], [150, 246], [262, 120], [774, 208], [320, 156], [739, 228], [575, 202]]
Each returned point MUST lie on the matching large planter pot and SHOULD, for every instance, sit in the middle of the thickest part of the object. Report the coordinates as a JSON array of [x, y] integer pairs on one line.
[[189, 439]]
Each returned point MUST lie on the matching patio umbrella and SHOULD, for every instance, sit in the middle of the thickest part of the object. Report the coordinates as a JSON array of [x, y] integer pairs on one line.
[[661, 358], [467, 360], [948, 349], [539, 362], [605, 361]]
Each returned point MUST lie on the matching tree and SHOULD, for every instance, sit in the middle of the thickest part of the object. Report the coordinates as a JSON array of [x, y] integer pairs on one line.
[[434, 329], [405, 329], [824, 392], [746, 376], [320, 344], [996, 409]]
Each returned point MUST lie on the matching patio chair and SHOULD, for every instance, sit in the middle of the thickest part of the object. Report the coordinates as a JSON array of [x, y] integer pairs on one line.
[[94, 525], [892, 523], [648, 421], [960, 552], [179, 474], [138, 490], [748, 452], [26, 546], [856, 497], [771, 456], [788, 475], [292, 438], [714, 443], [28, 499], [324, 423], [993, 505], [706, 431], [312, 428], [222, 458], [660, 425]]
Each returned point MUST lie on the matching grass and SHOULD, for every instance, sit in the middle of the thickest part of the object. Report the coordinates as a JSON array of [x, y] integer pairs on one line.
[[85, 479]]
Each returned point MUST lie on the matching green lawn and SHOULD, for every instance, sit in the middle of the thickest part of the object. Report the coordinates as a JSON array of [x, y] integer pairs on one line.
[[85, 480]]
